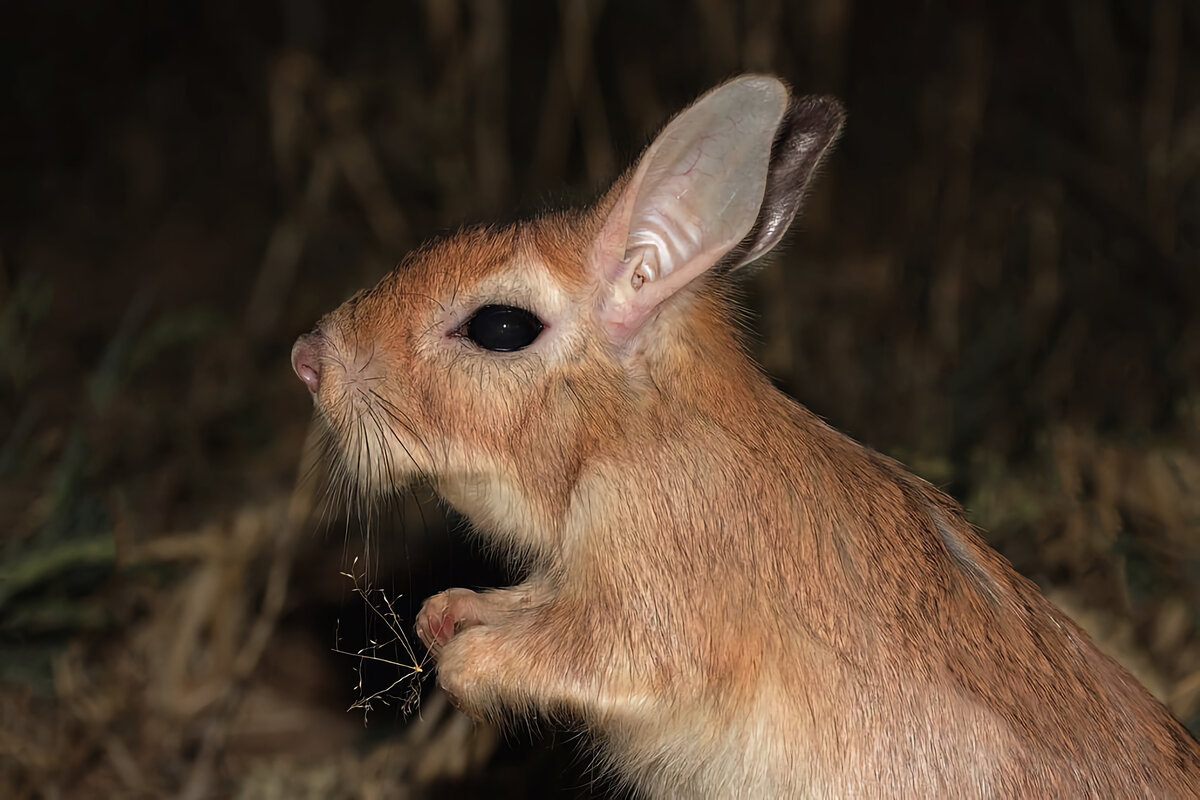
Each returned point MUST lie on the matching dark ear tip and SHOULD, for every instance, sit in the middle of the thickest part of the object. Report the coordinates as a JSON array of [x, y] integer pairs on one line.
[[820, 112], [808, 129]]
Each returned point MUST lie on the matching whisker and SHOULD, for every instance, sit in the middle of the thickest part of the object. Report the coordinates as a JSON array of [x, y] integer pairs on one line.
[[428, 297], [362, 448], [405, 422]]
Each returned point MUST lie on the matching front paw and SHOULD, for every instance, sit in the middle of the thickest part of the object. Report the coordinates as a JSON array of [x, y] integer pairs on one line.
[[446, 614], [480, 643], [465, 676]]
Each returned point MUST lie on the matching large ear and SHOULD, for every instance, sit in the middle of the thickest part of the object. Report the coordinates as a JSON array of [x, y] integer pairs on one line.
[[719, 186], [809, 129]]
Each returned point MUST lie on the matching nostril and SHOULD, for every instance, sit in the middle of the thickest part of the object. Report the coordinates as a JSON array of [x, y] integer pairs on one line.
[[307, 363]]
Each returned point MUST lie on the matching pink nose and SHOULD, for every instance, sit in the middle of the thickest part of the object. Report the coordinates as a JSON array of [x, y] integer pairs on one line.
[[306, 361]]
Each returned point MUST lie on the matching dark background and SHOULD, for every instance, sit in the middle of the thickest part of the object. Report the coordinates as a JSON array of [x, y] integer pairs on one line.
[[997, 280]]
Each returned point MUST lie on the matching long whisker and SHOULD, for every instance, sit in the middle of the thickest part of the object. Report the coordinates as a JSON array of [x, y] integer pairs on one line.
[[404, 421], [364, 446], [386, 468]]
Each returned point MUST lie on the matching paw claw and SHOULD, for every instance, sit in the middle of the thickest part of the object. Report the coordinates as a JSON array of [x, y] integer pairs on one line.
[[445, 614]]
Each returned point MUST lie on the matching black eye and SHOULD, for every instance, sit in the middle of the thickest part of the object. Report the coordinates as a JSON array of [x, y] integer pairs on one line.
[[503, 328]]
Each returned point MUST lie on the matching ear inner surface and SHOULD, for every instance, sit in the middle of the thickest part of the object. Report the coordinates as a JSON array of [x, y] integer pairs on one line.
[[697, 192]]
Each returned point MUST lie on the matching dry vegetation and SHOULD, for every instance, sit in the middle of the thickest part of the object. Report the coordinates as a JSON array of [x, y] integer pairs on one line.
[[997, 281]]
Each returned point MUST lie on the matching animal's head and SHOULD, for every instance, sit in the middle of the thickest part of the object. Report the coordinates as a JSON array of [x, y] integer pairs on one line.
[[498, 361]]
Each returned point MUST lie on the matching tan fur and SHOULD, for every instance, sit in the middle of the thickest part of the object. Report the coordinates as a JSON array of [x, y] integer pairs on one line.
[[735, 599]]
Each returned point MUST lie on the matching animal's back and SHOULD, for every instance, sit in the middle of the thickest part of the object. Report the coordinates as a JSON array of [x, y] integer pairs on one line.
[[902, 657]]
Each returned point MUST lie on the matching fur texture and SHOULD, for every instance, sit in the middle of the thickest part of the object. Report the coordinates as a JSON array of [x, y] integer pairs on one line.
[[733, 598]]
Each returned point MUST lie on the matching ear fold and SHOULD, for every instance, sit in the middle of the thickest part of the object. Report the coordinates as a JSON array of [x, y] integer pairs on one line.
[[719, 186], [808, 131]]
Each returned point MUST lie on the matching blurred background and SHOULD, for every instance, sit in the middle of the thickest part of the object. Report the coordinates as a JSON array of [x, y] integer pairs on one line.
[[996, 280]]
